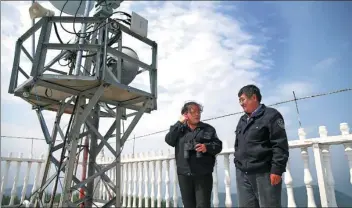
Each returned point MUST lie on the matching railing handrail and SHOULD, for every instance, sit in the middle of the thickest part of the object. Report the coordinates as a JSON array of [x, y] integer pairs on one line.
[[293, 144], [136, 171]]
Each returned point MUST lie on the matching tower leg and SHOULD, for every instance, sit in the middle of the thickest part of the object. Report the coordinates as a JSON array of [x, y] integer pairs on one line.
[[101, 86], [92, 157], [56, 129], [118, 158], [80, 117]]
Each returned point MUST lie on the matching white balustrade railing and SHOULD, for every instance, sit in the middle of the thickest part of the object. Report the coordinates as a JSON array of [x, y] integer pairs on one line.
[[152, 175], [18, 161]]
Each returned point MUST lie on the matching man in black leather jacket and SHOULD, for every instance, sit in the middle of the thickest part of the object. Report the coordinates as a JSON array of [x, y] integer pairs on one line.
[[261, 152], [196, 145]]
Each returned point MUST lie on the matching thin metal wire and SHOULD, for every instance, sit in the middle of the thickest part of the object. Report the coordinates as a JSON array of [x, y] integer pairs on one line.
[[274, 104], [217, 117], [298, 117], [18, 137]]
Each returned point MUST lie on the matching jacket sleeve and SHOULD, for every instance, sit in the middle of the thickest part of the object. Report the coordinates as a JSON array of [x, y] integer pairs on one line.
[[214, 147], [237, 131], [173, 134], [279, 142]]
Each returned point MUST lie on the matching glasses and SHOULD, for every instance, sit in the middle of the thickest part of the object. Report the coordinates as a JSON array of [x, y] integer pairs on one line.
[[242, 100], [195, 112]]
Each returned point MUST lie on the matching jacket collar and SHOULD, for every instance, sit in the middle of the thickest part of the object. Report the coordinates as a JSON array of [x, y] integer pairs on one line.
[[257, 113], [200, 125]]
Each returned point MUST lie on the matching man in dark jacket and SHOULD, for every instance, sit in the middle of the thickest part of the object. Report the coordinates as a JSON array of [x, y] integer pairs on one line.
[[196, 145], [261, 152]]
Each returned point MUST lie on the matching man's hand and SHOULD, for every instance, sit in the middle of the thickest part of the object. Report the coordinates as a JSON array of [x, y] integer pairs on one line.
[[201, 148], [183, 118], [275, 179]]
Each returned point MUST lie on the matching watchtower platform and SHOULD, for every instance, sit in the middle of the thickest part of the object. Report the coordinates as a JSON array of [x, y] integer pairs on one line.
[[97, 88]]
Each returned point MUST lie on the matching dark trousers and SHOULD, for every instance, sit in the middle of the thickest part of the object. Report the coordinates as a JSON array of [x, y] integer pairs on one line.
[[255, 190], [196, 190]]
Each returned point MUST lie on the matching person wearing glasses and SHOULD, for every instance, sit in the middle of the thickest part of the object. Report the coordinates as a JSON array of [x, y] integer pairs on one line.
[[196, 145], [261, 151]]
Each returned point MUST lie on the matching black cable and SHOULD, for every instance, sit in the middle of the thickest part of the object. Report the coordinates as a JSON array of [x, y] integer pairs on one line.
[[63, 150], [72, 56], [46, 92], [74, 21], [58, 170], [76, 33]]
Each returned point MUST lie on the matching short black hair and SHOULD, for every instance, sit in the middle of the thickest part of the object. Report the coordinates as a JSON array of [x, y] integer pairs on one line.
[[249, 91], [187, 106]]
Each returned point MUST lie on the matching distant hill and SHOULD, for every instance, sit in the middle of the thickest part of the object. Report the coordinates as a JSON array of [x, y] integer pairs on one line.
[[19, 191], [300, 193]]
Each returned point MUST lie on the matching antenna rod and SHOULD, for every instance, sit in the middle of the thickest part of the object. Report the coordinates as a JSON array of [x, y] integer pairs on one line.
[[81, 40], [299, 120]]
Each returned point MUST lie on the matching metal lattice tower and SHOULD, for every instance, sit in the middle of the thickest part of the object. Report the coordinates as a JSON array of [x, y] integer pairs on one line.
[[97, 91]]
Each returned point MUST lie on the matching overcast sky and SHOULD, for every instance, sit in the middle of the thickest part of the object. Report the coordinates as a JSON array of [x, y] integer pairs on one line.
[[207, 52]]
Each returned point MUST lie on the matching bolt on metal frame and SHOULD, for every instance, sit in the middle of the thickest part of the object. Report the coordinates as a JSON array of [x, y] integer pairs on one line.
[[69, 93]]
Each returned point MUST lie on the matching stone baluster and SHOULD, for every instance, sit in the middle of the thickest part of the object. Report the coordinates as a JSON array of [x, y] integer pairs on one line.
[[288, 181], [125, 179], [130, 170], [227, 180], [102, 186], [308, 180], [5, 177], [167, 179], [328, 170], [159, 179], [105, 187], [24, 190], [15, 181], [112, 178], [52, 168], [146, 181], [110, 175], [99, 182], [215, 185], [175, 185], [37, 179], [135, 171], [152, 180], [140, 180], [345, 130], [101, 189], [121, 178]]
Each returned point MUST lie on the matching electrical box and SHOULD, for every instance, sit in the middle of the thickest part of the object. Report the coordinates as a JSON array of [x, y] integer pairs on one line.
[[139, 25]]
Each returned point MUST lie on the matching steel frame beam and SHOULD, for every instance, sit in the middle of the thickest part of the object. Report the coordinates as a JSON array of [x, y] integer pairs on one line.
[[85, 116], [38, 68]]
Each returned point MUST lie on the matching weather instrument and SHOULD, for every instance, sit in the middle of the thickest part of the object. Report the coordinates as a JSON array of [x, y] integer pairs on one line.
[[95, 82]]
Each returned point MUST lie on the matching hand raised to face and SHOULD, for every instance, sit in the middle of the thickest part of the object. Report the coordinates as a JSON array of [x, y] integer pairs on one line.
[[183, 118]]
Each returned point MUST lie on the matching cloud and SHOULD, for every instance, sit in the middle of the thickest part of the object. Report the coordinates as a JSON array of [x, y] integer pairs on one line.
[[204, 55], [325, 64]]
